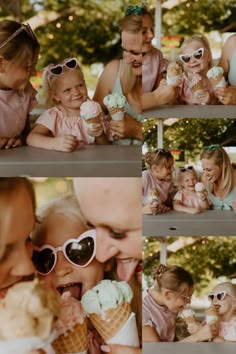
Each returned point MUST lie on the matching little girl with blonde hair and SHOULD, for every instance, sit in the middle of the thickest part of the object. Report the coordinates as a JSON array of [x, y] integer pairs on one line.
[[188, 199], [61, 127], [157, 181]]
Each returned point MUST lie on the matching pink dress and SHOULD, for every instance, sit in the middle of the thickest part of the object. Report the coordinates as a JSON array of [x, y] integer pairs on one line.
[[160, 318], [57, 120], [187, 200], [14, 110], [189, 97], [227, 330], [149, 182], [153, 65]]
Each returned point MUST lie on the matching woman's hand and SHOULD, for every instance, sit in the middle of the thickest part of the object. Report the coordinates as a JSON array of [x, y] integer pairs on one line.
[[95, 130], [226, 95], [193, 327], [203, 96], [208, 331], [128, 127], [8, 143]]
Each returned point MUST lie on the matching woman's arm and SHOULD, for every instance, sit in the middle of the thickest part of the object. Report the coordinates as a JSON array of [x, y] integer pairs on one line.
[[164, 94], [227, 53], [149, 334], [106, 82]]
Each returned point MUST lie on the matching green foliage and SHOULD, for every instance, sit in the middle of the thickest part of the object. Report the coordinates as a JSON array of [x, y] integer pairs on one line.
[[192, 134], [206, 259]]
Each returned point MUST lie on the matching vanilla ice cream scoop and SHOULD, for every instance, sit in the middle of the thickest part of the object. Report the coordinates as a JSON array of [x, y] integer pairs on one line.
[[188, 316], [199, 187], [211, 314], [115, 103]]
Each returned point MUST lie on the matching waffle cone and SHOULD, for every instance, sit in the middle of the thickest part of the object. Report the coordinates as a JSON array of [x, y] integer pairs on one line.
[[115, 319], [73, 341], [190, 319], [216, 80], [198, 86], [115, 110], [93, 120]]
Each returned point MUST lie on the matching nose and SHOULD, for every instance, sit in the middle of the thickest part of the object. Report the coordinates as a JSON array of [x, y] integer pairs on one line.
[[150, 34], [25, 266], [105, 248], [63, 266]]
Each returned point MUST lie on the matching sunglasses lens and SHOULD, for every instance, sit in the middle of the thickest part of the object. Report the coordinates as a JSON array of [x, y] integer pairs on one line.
[[57, 70], [220, 296], [43, 260], [198, 54], [185, 58], [80, 253], [71, 64], [211, 297]]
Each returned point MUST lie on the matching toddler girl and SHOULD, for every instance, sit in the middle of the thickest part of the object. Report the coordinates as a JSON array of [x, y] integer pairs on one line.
[[19, 51], [64, 251], [223, 298], [61, 126], [197, 59], [187, 199], [157, 181], [172, 290], [153, 62]]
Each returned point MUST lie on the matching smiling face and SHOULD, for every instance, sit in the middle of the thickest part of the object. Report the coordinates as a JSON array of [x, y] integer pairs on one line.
[[66, 276], [113, 206], [147, 33], [131, 44], [199, 66], [70, 90], [188, 180], [16, 223], [163, 172], [211, 171], [176, 301]]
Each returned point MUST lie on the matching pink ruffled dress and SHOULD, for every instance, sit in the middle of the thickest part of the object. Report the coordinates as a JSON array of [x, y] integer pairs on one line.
[[149, 182], [60, 123], [227, 330], [187, 200]]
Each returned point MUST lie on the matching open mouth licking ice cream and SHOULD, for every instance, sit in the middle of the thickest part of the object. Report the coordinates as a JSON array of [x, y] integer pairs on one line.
[[216, 76], [211, 314], [72, 332], [174, 73], [115, 103], [90, 111], [28, 313], [108, 307]]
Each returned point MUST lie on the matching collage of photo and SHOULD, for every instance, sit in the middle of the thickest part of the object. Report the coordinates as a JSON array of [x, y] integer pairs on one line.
[[117, 177]]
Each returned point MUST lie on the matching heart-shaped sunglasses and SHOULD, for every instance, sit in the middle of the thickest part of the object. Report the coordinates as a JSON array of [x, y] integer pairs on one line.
[[79, 252], [197, 54]]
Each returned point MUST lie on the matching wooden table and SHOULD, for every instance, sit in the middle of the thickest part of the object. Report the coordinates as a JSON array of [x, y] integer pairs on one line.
[[174, 223], [90, 160], [186, 348], [191, 111]]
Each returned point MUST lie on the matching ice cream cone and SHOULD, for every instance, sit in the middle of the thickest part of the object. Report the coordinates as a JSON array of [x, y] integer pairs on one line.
[[93, 120], [211, 314], [174, 73], [73, 341], [216, 76], [190, 319], [216, 80], [108, 325], [198, 86], [117, 113]]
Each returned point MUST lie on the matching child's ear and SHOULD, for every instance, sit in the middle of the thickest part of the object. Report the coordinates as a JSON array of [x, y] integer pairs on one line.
[[54, 96], [109, 265], [167, 294]]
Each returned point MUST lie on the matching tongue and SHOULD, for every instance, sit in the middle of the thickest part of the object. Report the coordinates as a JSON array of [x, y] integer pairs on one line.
[[125, 270], [74, 290]]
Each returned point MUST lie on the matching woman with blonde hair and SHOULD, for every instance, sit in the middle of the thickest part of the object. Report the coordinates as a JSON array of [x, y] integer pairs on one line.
[[125, 77], [219, 177]]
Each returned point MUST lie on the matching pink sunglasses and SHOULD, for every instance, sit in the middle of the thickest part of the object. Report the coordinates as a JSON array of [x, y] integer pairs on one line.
[[79, 252]]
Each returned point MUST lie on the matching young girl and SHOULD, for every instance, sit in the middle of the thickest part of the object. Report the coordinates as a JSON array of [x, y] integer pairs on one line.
[[61, 127], [187, 199], [153, 62], [197, 59], [157, 181], [74, 267], [171, 292], [223, 298], [19, 51]]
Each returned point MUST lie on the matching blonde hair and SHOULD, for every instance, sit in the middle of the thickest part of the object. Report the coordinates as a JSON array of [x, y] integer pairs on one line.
[[19, 48], [229, 287], [182, 174], [222, 160], [66, 205], [172, 278], [49, 83], [132, 24], [159, 157], [203, 42]]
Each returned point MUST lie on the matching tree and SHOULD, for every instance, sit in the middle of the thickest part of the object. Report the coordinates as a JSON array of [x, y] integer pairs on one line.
[[204, 257]]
